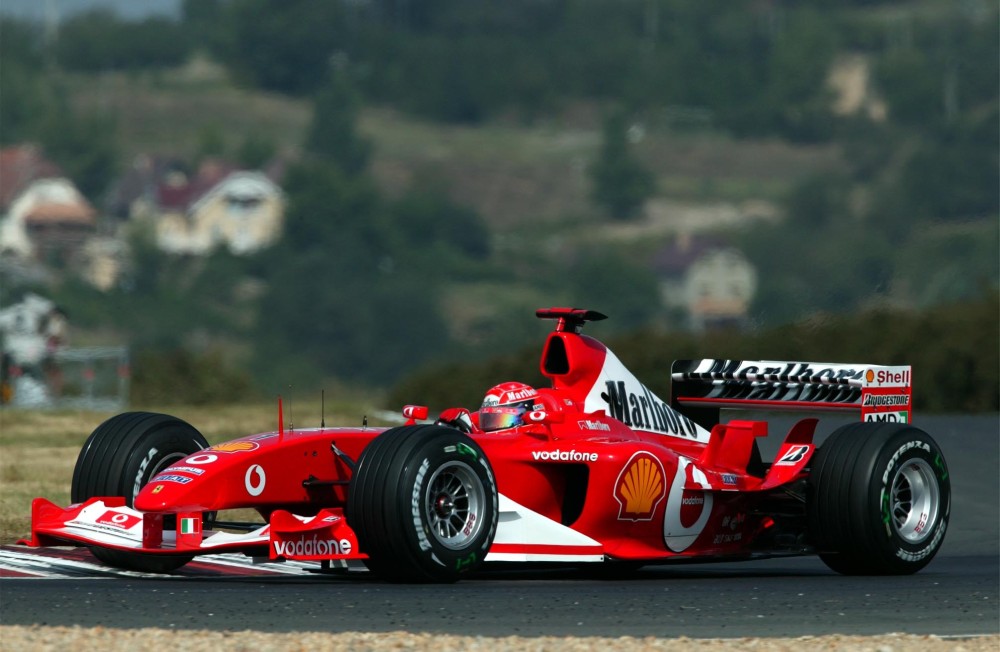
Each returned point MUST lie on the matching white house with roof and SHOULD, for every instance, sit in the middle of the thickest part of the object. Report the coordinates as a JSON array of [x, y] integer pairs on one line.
[[707, 281], [718, 288], [49, 217], [243, 212]]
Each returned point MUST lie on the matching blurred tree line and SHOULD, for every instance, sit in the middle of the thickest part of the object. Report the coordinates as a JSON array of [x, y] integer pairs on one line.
[[952, 347], [757, 69], [358, 279]]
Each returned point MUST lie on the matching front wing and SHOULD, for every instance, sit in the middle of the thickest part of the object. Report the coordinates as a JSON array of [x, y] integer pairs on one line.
[[109, 523], [522, 535]]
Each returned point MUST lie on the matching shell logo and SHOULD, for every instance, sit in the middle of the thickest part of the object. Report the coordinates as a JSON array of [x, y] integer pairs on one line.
[[640, 487], [870, 376], [235, 447]]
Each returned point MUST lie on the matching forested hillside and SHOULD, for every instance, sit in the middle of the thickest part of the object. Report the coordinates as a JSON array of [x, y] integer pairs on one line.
[[453, 165]]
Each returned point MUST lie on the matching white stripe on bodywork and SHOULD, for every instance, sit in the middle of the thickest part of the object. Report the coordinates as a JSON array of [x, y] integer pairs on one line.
[[614, 371], [518, 525]]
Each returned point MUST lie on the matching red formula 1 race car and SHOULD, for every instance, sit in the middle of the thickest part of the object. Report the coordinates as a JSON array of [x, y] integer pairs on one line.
[[595, 468]]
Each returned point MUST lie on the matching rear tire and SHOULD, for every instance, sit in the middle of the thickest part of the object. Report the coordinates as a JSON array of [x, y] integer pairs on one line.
[[423, 503], [119, 458], [879, 499]]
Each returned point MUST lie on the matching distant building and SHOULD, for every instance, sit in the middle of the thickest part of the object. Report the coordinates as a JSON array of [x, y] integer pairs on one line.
[[243, 212], [708, 282], [104, 261], [45, 222], [32, 329], [39, 370], [217, 206], [32, 333], [134, 193], [48, 221], [20, 165]]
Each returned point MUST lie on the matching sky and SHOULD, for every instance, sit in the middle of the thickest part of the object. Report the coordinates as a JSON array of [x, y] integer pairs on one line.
[[128, 9]]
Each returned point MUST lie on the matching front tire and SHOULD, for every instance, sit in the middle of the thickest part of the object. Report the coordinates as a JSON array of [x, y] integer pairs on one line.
[[879, 499], [119, 458], [423, 503]]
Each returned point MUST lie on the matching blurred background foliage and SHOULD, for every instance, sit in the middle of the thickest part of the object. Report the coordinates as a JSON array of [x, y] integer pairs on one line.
[[889, 254], [953, 350]]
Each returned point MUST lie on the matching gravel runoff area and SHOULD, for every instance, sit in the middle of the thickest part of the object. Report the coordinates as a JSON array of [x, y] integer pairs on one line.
[[36, 638]]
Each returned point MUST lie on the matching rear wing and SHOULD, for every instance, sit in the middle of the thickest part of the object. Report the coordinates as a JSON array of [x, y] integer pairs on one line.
[[880, 393]]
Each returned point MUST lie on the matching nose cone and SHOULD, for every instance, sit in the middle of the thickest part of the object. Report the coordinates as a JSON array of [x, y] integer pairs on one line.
[[154, 497], [168, 496]]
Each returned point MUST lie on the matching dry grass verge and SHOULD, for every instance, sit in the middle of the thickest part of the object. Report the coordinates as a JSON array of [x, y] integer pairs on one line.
[[38, 449], [115, 640]]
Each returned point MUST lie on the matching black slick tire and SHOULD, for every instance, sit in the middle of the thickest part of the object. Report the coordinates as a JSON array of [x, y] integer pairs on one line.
[[423, 503], [119, 458], [879, 499]]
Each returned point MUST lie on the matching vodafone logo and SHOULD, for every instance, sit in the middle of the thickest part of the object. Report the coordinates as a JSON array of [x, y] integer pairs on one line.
[[206, 458], [313, 547], [254, 480], [563, 456], [119, 520], [692, 505], [688, 510]]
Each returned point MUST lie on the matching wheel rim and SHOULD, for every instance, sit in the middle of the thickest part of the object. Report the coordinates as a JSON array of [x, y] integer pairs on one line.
[[453, 505], [916, 499]]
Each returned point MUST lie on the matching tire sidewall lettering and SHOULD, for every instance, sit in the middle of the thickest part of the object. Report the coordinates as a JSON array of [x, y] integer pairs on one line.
[[119, 459], [140, 474], [420, 527], [912, 447], [425, 470], [395, 515]]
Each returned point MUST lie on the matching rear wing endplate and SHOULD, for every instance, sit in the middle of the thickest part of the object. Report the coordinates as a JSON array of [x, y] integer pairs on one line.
[[880, 393]]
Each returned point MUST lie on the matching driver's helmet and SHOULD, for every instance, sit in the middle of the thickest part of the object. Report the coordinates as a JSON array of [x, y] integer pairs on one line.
[[505, 406]]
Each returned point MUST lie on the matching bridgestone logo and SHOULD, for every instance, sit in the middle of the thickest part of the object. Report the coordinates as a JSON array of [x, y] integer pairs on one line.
[[563, 456], [312, 547], [891, 400]]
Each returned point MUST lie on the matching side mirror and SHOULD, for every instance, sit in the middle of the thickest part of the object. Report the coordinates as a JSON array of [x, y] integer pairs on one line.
[[414, 413]]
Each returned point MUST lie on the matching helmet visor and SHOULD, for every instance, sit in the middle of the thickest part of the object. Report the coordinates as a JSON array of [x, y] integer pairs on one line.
[[502, 417]]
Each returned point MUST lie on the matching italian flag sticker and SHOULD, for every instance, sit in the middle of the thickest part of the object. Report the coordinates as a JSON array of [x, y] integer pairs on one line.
[[189, 526]]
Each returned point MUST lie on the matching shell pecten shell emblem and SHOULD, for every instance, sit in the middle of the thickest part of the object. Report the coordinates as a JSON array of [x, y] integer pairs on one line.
[[235, 447], [640, 487]]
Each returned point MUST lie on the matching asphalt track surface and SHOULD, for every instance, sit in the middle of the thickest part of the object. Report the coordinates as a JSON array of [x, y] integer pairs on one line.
[[958, 594]]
